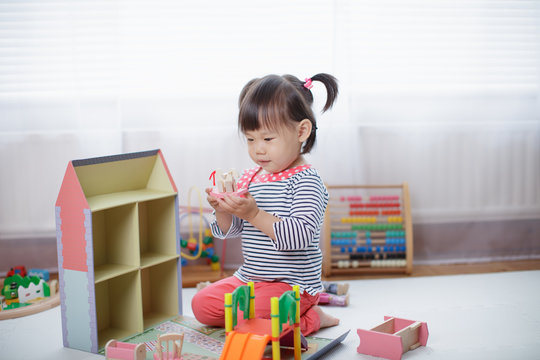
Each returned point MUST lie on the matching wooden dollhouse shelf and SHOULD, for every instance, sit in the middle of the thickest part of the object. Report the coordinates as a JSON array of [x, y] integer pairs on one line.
[[150, 259], [154, 318], [107, 201], [109, 271]]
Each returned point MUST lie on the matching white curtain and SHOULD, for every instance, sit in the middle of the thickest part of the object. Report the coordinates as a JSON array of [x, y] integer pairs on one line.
[[424, 86]]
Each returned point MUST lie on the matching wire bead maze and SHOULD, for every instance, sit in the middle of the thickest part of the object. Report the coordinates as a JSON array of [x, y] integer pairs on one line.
[[203, 245], [368, 229]]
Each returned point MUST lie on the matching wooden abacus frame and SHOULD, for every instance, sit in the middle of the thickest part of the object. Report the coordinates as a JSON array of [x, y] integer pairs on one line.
[[329, 260]]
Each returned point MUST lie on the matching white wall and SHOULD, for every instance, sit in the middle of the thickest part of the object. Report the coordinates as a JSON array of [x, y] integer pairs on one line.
[[447, 102]]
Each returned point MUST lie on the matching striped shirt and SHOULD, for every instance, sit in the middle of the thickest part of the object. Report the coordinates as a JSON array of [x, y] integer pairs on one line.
[[299, 198]]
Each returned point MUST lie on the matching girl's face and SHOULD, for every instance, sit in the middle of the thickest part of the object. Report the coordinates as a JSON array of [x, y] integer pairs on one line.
[[275, 150]]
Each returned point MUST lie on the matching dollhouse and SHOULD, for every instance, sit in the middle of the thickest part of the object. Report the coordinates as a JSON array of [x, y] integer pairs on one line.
[[118, 248]]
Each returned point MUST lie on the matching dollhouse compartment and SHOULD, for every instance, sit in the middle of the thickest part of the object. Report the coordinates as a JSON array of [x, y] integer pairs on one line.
[[158, 301], [157, 236], [114, 234], [118, 307]]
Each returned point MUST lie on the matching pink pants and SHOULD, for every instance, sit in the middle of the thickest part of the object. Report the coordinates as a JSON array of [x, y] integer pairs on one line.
[[208, 304]]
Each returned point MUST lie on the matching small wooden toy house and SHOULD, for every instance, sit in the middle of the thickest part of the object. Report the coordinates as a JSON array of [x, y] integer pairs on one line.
[[118, 248]]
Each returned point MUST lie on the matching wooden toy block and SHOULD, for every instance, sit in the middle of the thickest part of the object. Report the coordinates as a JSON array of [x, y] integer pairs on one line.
[[393, 338], [42, 273], [19, 269], [226, 181], [225, 184], [336, 288], [32, 291], [117, 350], [333, 299]]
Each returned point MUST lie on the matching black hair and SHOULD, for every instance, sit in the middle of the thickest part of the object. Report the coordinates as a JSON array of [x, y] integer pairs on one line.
[[275, 100]]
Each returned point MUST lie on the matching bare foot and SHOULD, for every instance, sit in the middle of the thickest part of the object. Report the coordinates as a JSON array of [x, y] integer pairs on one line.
[[202, 285], [326, 320]]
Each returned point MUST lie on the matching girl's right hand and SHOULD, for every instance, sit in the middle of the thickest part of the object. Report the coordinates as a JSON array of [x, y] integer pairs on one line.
[[223, 218], [212, 200]]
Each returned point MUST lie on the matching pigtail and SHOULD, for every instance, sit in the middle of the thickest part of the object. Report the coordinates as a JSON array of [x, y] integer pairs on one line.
[[330, 83]]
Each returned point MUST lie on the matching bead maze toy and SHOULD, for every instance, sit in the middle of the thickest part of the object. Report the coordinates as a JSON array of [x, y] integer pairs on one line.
[[204, 246], [191, 244], [200, 260], [368, 229], [393, 338], [249, 339]]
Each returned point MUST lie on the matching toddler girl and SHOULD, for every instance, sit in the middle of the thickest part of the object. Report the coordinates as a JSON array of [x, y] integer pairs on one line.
[[280, 218]]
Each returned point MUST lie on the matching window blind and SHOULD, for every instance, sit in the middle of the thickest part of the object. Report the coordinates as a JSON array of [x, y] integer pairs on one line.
[[436, 45], [444, 60], [158, 48]]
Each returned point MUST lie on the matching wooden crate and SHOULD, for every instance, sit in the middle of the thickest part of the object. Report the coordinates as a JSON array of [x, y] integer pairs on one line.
[[368, 229]]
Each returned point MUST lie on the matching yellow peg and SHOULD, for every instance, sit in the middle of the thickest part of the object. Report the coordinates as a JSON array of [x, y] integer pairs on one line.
[[274, 308], [297, 334], [251, 300], [228, 313]]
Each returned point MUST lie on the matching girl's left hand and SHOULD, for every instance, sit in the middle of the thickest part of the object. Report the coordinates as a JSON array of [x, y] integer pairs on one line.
[[243, 207]]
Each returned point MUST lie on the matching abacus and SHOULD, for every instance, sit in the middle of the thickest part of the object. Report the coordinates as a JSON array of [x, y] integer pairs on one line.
[[368, 229]]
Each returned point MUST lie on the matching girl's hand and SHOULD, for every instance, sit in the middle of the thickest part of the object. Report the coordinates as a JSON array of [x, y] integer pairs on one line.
[[214, 202], [245, 208], [223, 217]]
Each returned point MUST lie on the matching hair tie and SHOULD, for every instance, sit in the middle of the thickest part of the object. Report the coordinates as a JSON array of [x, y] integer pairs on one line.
[[308, 85]]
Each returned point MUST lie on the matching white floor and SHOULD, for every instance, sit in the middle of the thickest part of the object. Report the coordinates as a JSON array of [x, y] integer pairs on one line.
[[489, 316]]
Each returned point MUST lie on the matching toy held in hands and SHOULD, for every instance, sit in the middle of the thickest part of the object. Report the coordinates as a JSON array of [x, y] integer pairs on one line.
[[225, 184]]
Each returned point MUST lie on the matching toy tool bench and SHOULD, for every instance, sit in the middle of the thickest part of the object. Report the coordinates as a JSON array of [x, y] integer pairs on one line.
[[368, 229], [118, 252]]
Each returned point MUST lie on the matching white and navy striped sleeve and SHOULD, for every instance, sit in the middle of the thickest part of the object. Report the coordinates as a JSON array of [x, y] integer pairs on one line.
[[297, 231], [235, 230]]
